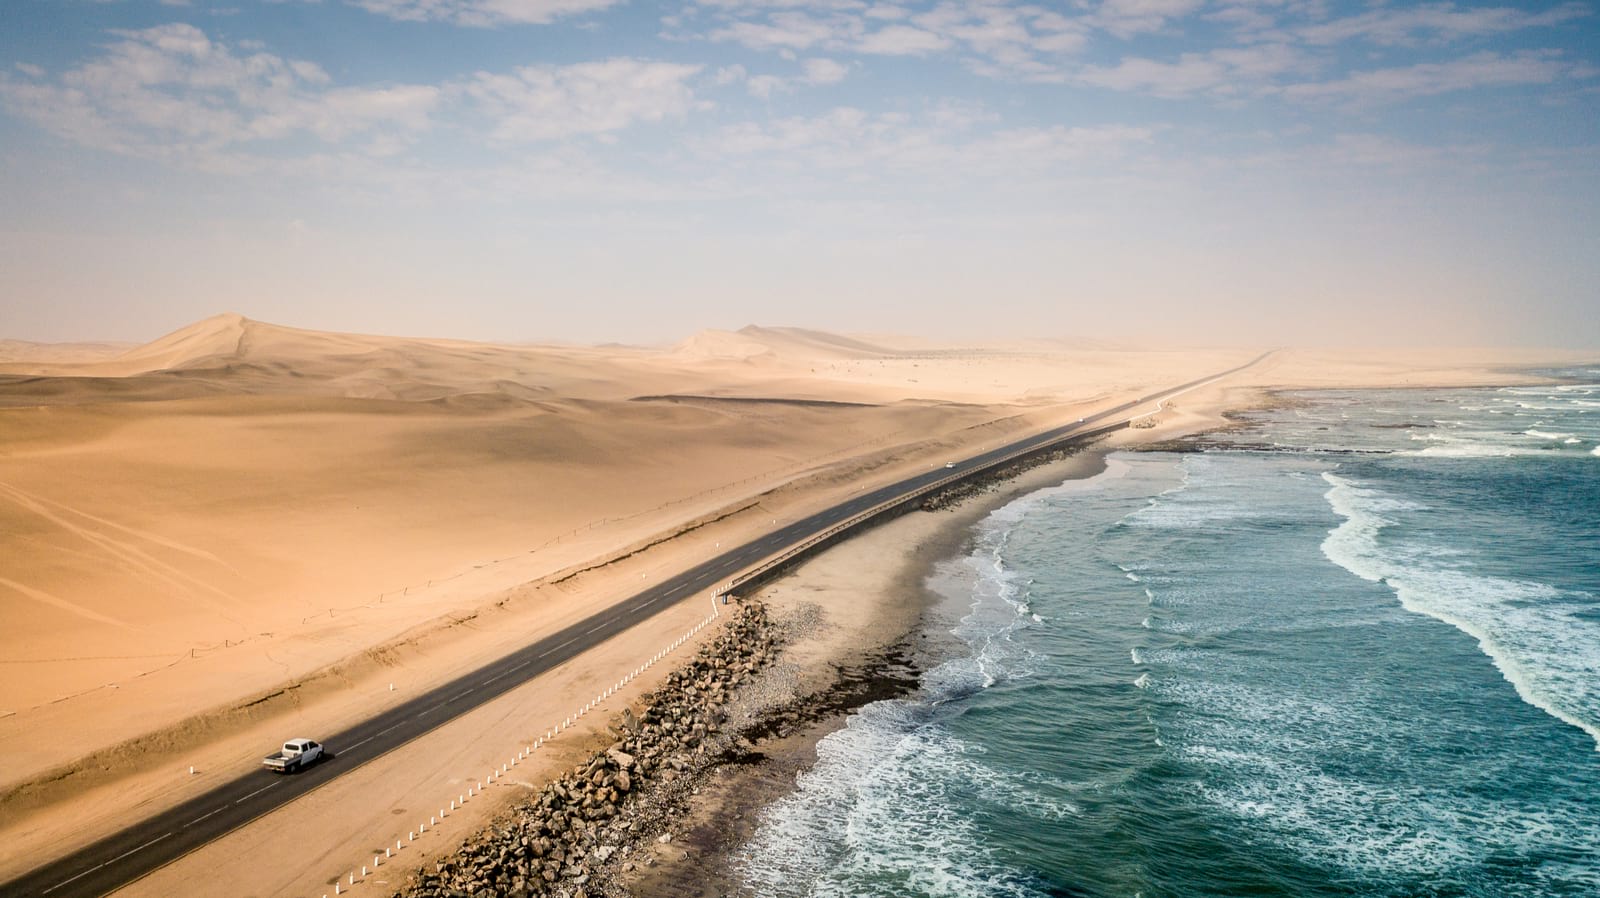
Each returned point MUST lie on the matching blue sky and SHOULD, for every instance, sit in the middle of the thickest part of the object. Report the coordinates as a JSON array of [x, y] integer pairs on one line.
[[1233, 171]]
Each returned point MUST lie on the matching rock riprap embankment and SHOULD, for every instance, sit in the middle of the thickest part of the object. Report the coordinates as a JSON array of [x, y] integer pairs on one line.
[[557, 842]]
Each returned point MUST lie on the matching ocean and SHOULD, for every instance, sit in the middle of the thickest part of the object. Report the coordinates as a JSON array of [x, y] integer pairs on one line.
[[1351, 649]]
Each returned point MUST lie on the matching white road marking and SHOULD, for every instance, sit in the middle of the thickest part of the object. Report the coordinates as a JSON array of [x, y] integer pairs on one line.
[[107, 863], [200, 818], [255, 793]]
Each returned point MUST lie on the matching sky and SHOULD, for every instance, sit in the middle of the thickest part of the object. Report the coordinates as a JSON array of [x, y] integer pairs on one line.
[[1302, 172]]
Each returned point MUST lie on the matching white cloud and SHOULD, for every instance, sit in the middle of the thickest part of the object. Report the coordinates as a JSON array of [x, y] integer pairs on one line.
[[757, 5], [901, 40], [1226, 72], [788, 30], [1409, 25], [1192, 73], [1245, 17], [959, 115], [889, 144], [1480, 70], [1008, 41], [482, 13], [821, 70], [170, 92], [730, 74], [551, 102], [764, 86], [1000, 39], [814, 72], [887, 12], [1126, 18], [173, 94]]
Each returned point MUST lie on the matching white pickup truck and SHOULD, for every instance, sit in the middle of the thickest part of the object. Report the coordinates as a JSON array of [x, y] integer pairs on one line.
[[297, 754]]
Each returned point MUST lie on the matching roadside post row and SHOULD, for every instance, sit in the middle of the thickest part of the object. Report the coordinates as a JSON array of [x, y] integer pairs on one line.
[[349, 881]]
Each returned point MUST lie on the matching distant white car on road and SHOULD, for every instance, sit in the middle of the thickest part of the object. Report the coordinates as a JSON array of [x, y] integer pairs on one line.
[[949, 464], [297, 754]]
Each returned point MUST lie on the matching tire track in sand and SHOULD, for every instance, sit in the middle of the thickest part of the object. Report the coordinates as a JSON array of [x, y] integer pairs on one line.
[[126, 552]]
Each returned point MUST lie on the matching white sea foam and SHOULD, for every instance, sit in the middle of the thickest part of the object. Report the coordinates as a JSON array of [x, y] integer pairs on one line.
[[1467, 442], [875, 816], [877, 813], [1385, 831], [1379, 833], [1014, 511], [1255, 747], [1529, 630], [1462, 449]]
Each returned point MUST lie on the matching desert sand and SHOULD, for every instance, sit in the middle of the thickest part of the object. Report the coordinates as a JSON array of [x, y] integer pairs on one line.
[[243, 529]]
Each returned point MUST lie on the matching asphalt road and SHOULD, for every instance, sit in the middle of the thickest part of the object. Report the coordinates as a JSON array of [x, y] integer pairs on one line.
[[152, 843]]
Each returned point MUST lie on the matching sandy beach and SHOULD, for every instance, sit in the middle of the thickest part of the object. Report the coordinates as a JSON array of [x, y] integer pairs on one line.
[[244, 530]]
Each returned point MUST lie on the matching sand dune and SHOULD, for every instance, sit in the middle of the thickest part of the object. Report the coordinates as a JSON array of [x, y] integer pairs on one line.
[[800, 343], [233, 354]]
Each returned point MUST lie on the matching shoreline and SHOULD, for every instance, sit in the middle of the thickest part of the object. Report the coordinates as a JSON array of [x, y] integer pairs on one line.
[[836, 672]]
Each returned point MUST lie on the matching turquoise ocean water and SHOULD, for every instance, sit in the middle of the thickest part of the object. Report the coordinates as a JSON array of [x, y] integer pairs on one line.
[[1361, 657]]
